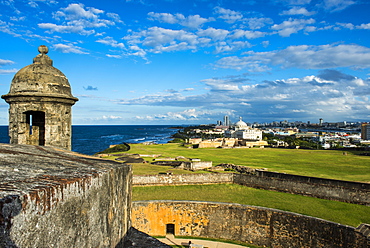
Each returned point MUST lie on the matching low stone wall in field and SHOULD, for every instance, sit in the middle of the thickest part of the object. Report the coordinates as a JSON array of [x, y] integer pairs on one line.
[[182, 179], [255, 225]]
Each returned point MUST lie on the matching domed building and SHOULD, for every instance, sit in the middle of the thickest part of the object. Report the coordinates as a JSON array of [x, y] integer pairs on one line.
[[240, 125], [40, 103], [242, 131]]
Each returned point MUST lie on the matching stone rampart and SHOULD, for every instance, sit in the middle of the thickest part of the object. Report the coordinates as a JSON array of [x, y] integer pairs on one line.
[[256, 225], [54, 198], [345, 191]]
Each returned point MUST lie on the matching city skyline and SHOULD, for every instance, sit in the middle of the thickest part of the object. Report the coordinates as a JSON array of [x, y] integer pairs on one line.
[[192, 62]]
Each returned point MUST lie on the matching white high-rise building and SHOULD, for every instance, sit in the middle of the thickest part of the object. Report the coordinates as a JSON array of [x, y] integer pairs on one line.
[[226, 120]]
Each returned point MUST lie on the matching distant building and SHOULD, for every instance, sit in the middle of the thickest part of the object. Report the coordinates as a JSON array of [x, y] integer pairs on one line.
[[226, 120], [243, 131], [321, 121], [365, 131]]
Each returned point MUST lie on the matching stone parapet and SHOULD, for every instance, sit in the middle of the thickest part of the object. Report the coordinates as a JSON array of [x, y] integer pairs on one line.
[[337, 190], [56, 198]]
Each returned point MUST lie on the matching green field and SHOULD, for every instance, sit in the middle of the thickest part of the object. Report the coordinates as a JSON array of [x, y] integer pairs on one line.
[[332, 164], [344, 213], [317, 163]]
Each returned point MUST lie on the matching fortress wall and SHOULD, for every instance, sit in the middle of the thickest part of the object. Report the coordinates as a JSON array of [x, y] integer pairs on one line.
[[351, 192], [255, 225], [182, 179], [337, 190], [54, 198]]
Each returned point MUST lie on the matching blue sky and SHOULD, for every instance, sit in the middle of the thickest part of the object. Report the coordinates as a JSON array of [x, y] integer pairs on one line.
[[194, 61]]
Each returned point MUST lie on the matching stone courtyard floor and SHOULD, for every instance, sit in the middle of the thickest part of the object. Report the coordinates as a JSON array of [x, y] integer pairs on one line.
[[171, 240]]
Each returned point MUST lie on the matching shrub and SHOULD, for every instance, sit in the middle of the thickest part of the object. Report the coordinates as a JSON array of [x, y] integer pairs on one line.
[[118, 148], [176, 140]]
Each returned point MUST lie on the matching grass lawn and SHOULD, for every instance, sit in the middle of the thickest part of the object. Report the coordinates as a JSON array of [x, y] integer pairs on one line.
[[317, 163], [344, 213]]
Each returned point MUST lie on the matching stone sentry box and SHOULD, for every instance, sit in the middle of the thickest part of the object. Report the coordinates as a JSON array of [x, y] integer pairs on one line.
[[40, 99], [56, 198]]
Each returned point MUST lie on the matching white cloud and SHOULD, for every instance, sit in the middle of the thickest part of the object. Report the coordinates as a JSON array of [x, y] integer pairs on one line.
[[51, 27], [304, 56], [18, 18], [164, 17], [34, 4], [228, 15], [111, 42], [332, 92], [220, 84], [159, 40], [364, 26], [110, 117], [115, 17], [265, 43], [113, 56], [291, 26], [163, 40], [69, 48], [137, 51], [213, 33], [257, 22], [335, 5], [7, 28], [188, 89], [351, 26], [298, 11], [185, 115], [192, 21], [239, 33], [295, 2], [9, 71], [233, 46], [6, 62], [76, 19], [76, 12]]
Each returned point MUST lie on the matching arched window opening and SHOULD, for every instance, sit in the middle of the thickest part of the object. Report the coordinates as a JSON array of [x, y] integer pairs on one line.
[[36, 127]]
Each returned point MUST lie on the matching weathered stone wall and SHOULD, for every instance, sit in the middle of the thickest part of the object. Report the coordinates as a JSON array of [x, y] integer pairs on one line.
[[210, 143], [56, 198], [58, 130], [330, 189], [200, 165], [337, 190], [257, 225], [182, 179]]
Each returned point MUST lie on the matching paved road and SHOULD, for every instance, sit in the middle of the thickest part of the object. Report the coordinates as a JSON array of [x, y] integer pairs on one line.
[[171, 240]]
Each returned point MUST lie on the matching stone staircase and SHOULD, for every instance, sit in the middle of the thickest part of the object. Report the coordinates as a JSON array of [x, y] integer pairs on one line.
[[364, 229]]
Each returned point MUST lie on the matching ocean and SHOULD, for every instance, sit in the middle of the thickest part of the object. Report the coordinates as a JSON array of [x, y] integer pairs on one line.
[[92, 139]]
